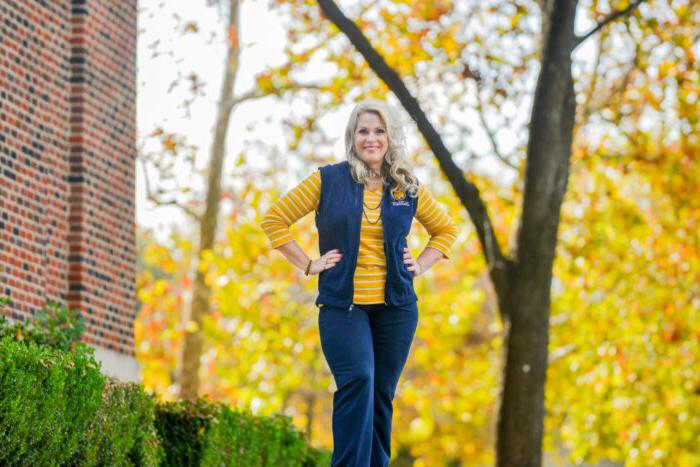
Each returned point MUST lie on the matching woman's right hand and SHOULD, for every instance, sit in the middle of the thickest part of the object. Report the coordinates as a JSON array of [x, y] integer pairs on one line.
[[326, 261]]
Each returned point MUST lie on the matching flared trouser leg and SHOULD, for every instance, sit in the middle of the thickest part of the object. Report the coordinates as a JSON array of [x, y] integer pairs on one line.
[[366, 349], [346, 341], [393, 329]]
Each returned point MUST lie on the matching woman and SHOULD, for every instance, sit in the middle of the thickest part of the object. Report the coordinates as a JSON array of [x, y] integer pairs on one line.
[[367, 305]]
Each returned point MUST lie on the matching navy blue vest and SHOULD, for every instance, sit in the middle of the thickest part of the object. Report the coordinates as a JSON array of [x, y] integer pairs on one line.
[[338, 220]]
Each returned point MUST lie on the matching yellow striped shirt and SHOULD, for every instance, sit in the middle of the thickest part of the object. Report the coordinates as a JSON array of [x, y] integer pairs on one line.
[[370, 274]]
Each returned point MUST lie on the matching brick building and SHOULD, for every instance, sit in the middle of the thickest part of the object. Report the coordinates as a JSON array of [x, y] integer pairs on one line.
[[67, 165]]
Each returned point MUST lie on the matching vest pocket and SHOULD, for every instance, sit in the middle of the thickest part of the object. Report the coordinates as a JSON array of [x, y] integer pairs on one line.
[[402, 267], [400, 287]]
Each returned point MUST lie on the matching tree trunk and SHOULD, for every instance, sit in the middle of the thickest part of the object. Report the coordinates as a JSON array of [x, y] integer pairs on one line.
[[199, 305], [527, 302], [522, 281]]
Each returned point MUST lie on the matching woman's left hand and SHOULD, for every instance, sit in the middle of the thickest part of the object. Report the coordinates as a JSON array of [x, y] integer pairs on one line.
[[414, 265]]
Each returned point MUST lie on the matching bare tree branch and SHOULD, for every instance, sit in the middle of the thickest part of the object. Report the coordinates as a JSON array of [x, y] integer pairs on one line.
[[159, 202], [234, 101], [611, 17], [489, 132], [587, 107], [615, 92], [256, 94]]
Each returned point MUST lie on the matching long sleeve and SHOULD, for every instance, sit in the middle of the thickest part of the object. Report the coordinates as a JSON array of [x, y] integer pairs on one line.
[[442, 229], [295, 204]]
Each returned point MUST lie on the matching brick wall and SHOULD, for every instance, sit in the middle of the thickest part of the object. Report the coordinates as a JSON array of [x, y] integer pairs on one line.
[[67, 154]]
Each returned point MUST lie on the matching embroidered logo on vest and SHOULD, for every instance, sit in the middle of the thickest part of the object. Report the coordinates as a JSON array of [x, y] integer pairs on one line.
[[400, 198]]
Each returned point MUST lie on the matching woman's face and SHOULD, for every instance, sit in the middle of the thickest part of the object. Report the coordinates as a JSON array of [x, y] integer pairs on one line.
[[371, 140]]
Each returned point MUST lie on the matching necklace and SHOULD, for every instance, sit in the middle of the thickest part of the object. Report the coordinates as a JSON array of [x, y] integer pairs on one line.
[[372, 209], [369, 221], [376, 207]]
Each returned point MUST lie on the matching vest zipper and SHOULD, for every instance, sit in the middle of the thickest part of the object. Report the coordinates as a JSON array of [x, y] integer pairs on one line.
[[386, 257], [357, 250]]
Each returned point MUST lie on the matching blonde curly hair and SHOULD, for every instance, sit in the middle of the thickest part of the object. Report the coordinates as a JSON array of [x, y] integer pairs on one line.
[[395, 166]]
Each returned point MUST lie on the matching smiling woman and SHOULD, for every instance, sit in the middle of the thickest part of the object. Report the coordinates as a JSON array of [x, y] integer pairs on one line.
[[368, 309]]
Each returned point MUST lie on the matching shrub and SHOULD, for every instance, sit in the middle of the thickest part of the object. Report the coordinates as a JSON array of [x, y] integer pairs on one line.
[[122, 433], [316, 457], [54, 326], [48, 401], [208, 433], [57, 408]]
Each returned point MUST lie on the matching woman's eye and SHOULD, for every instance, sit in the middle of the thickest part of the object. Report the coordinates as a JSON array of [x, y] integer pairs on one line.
[[365, 131]]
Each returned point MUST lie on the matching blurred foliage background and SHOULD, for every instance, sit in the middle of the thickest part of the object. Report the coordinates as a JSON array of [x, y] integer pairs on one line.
[[623, 382]]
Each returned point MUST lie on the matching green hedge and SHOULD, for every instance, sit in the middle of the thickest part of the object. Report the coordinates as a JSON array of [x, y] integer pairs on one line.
[[57, 408], [47, 402], [209, 433], [123, 431]]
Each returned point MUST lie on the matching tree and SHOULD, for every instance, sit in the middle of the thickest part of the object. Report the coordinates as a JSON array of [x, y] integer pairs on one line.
[[205, 210], [522, 281]]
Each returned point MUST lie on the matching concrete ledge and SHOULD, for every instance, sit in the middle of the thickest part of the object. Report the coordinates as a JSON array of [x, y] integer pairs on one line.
[[118, 365]]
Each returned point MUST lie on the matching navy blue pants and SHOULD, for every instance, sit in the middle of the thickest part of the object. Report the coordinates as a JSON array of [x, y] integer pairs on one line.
[[366, 349]]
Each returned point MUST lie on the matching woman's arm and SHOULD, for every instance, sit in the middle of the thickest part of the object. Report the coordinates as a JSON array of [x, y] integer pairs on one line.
[[442, 230], [291, 207], [293, 252], [425, 260], [295, 204]]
